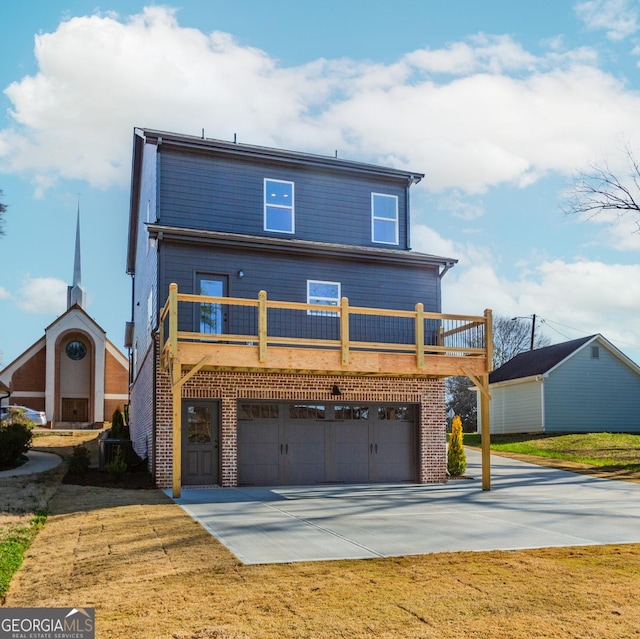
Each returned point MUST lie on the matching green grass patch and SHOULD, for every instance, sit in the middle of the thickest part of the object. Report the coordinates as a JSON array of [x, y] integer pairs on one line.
[[14, 542], [602, 450]]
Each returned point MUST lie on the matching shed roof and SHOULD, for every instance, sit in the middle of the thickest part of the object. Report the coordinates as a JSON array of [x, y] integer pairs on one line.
[[538, 361]]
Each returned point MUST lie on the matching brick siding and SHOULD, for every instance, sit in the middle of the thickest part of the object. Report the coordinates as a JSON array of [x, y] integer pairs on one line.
[[31, 375], [116, 376], [229, 387], [141, 414]]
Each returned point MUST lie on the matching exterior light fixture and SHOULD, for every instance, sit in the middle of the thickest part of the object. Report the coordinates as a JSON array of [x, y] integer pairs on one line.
[[335, 391], [240, 274]]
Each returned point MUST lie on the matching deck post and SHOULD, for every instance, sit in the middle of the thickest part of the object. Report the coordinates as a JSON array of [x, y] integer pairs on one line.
[[262, 326], [420, 335], [485, 435], [176, 400], [344, 329], [173, 320], [485, 398]]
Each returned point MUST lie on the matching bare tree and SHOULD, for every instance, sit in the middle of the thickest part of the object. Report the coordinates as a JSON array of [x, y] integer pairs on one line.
[[462, 400], [599, 190], [511, 336]]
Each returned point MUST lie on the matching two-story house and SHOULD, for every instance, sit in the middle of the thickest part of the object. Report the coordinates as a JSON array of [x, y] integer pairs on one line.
[[283, 331]]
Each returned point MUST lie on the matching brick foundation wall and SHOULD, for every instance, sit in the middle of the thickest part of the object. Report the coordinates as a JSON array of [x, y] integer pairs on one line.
[[228, 388], [141, 410]]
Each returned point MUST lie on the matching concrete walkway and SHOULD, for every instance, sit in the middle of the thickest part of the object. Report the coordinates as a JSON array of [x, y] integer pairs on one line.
[[528, 507], [38, 463]]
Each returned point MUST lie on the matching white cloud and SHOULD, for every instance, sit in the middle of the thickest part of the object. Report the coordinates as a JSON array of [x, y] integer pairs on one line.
[[457, 206], [471, 115], [4, 294], [620, 231], [619, 18], [483, 53], [576, 298], [42, 295], [428, 240], [571, 299]]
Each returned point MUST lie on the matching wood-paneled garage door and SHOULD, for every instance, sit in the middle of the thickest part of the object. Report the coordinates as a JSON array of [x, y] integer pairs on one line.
[[303, 443]]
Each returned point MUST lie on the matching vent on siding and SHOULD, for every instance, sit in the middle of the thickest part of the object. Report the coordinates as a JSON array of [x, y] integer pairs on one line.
[[595, 352]]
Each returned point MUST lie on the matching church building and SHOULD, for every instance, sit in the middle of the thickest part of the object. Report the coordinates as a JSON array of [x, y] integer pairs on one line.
[[73, 373]]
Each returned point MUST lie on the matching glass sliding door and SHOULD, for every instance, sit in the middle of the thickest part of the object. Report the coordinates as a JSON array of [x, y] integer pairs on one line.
[[211, 317]]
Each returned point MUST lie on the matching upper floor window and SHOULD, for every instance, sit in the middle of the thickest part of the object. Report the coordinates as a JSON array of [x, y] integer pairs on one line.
[[327, 293], [279, 212], [384, 218]]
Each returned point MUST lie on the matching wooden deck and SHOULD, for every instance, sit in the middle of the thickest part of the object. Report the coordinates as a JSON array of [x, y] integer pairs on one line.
[[458, 345]]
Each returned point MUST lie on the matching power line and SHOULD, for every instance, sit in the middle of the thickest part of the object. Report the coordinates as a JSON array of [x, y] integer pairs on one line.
[[546, 323], [577, 330]]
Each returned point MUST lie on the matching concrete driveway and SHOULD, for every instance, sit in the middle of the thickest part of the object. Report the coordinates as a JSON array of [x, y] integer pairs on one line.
[[528, 507]]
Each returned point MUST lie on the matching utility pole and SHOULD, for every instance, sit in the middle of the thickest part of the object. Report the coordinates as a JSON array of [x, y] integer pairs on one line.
[[533, 327], [533, 330]]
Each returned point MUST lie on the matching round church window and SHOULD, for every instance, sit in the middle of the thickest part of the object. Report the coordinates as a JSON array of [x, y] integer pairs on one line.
[[76, 350]]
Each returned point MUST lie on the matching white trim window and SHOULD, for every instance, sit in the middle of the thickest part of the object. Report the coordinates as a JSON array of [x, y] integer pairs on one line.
[[279, 214], [327, 293], [384, 218]]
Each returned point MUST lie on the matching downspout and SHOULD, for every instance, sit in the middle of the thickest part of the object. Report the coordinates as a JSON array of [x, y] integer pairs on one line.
[[414, 179], [542, 406]]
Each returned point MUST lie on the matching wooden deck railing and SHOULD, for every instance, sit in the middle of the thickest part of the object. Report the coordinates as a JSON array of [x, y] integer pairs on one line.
[[263, 328]]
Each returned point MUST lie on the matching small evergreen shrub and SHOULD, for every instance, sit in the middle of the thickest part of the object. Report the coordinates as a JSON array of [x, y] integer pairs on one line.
[[118, 429], [79, 461], [456, 457], [15, 439], [118, 467]]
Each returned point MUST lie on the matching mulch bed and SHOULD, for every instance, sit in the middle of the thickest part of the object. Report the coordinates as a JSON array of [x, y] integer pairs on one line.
[[137, 478]]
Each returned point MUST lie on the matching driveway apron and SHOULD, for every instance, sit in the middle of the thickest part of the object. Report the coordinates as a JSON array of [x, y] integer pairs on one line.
[[528, 507]]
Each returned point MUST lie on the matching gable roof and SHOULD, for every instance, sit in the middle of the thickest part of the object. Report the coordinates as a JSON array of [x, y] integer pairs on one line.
[[538, 361], [72, 309]]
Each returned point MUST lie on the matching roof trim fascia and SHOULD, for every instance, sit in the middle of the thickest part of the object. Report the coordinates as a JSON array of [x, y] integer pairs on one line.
[[71, 309], [307, 247], [519, 380], [165, 138]]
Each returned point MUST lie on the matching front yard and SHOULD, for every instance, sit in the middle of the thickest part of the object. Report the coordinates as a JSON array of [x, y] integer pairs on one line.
[[608, 455], [151, 572]]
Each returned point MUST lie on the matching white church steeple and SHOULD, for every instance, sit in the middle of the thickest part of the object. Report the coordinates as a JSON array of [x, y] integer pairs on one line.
[[76, 294]]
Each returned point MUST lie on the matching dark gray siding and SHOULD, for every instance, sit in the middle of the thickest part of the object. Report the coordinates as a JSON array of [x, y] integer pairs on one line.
[[284, 277], [592, 395], [225, 194], [145, 288], [146, 276]]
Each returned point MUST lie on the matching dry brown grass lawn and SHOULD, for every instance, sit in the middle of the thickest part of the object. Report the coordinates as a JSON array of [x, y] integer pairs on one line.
[[24, 495], [152, 572]]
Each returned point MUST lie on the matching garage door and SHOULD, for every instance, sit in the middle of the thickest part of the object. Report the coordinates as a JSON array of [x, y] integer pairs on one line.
[[303, 444]]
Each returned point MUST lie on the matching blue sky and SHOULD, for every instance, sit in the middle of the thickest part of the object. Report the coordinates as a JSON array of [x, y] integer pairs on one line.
[[499, 103]]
